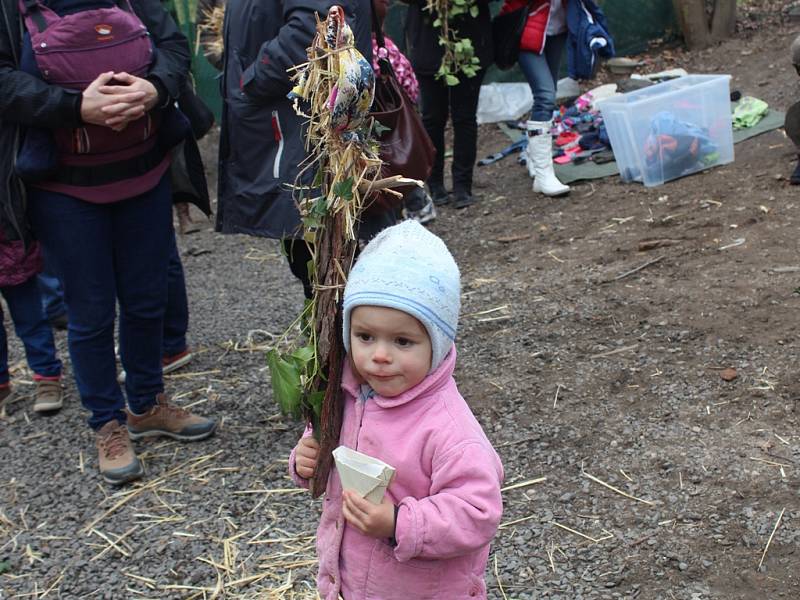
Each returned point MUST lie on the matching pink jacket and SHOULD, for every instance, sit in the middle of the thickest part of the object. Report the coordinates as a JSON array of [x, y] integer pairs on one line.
[[447, 488]]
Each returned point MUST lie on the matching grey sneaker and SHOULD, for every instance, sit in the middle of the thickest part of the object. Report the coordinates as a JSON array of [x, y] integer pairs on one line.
[[426, 214], [118, 462], [49, 396]]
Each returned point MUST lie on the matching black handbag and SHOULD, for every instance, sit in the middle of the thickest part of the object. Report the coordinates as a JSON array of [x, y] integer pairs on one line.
[[507, 31], [405, 147]]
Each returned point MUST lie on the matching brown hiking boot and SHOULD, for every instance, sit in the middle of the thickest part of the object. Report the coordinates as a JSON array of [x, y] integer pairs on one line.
[[118, 462], [186, 224], [49, 395], [171, 421]]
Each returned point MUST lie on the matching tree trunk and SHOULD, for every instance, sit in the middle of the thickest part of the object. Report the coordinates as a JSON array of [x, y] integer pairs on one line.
[[723, 23], [698, 30]]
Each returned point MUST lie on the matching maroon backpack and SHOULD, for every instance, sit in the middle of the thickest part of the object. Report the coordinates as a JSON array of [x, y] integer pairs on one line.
[[71, 51]]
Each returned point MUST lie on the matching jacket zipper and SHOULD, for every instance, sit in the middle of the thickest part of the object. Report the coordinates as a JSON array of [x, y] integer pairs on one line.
[[276, 128], [546, 25], [133, 36], [363, 399]]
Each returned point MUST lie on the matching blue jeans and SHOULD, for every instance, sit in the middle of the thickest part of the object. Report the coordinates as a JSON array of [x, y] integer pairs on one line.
[[106, 253], [31, 326], [51, 292], [541, 71], [176, 318]]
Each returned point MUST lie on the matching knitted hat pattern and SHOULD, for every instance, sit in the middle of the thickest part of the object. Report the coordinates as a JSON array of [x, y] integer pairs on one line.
[[408, 268]]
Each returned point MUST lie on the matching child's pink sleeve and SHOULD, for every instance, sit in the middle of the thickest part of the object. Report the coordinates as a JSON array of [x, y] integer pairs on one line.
[[299, 481], [463, 511]]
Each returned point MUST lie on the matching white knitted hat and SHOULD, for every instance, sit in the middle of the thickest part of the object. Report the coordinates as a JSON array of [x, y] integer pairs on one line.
[[408, 268]]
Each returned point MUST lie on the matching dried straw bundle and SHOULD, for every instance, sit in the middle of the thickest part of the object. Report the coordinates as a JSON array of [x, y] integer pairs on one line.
[[209, 31], [345, 160]]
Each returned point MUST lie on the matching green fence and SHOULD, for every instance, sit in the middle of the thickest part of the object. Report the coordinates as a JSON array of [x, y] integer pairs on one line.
[[206, 77]]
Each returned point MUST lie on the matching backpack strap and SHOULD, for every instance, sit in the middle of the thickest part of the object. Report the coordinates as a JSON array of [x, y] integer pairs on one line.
[[125, 5], [32, 12]]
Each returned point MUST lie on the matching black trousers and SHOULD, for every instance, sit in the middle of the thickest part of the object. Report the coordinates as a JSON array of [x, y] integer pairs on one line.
[[298, 256], [438, 101]]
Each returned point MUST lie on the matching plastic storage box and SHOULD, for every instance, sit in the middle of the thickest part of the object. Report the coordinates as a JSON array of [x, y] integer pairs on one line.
[[670, 129]]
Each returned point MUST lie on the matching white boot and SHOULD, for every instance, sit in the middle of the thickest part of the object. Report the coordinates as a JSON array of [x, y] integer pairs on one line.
[[539, 155]]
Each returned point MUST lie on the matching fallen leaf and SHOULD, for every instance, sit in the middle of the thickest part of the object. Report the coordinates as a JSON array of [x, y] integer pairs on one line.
[[729, 374]]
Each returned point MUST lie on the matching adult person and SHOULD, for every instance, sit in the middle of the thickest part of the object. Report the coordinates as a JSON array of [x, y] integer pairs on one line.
[[438, 101], [550, 26], [103, 210], [541, 47], [262, 139], [792, 122]]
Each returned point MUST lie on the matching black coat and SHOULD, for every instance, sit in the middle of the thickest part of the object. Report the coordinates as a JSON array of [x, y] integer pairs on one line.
[[422, 38], [262, 139], [27, 100]]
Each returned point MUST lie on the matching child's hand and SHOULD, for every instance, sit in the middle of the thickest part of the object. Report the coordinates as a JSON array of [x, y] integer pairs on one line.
[[370, 519], [305, 457]]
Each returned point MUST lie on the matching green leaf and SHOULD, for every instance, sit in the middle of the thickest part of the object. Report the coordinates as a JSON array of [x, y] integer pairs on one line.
[[5, 566], [437, 22], [286, 388], [344, 189], [311, 222], [303, 355], [314, 400], [451, 79], [318, 178], [473, 11], [319, 209]]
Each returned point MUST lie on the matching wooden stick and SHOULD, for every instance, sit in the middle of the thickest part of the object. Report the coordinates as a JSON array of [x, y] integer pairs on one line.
[[523, 484], [769, 462], [583, 535], [515, 521], [769, 541], [615, 351], [497, 577], [612, 488], [639, 268]]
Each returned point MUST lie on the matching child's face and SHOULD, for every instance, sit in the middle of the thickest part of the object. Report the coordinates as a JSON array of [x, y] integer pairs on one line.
[[390, 349]]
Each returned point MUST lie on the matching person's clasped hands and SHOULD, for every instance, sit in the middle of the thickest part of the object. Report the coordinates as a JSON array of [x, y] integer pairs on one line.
[[116, 99]]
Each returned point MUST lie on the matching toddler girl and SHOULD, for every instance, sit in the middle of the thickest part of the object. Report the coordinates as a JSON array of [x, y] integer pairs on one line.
[[430, 536], [19, 265]]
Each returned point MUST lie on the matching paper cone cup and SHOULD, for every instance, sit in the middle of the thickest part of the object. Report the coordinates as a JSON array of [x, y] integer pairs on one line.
[[367, 476]]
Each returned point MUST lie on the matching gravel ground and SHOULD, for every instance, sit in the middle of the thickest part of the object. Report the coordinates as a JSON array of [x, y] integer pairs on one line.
[[579, 378]]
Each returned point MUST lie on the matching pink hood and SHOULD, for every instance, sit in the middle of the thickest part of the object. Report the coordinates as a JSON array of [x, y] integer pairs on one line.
[[447, 488]]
